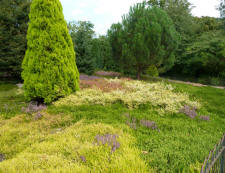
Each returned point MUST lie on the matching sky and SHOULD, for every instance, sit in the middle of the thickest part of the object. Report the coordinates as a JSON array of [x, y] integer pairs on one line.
[[103, 13]]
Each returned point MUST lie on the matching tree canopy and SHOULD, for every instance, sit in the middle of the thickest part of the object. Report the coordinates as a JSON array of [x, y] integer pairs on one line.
[[82, 34], [222, 8], [13, 30], [206, 55], [102, 52], [145, 37]]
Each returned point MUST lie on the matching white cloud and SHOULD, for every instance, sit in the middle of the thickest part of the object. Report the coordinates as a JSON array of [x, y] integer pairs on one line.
[[205, 8], [115, 8], [77, 12]]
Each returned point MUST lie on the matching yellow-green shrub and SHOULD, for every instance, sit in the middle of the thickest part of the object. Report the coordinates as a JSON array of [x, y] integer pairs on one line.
[[152, 71], [20, 132], [136, 93], [49, 66]]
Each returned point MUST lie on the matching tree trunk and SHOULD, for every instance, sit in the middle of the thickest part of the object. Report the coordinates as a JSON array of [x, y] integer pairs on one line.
[[139, 73]]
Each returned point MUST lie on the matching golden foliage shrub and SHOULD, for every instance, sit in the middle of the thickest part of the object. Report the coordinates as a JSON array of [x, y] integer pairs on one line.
[[72, 149], [133, 94]]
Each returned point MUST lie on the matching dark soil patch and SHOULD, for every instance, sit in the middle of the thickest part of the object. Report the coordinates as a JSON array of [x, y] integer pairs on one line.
[[2, 157], [108, 73], [86, 77]]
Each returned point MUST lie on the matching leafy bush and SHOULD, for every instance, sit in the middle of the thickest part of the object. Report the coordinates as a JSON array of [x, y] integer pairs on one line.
[[134, 94], [204, 80], [152, 71], [49, 68], [215, 81]]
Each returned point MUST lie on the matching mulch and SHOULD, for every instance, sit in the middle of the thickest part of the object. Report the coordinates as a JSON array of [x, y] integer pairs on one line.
[[86, 77]]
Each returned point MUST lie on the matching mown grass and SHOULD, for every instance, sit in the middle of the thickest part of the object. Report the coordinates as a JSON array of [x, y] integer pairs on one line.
[[11, 100], [180, 143], [65, 133], [212, 98]]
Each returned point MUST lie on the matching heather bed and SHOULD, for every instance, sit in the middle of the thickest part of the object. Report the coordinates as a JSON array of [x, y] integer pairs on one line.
[[65, 137]]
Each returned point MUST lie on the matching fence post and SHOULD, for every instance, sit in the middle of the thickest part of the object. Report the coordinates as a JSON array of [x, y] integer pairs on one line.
[[215, 162], [222, 169]]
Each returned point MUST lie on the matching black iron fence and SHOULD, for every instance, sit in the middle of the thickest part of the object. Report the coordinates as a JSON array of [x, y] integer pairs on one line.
[[215, 163]]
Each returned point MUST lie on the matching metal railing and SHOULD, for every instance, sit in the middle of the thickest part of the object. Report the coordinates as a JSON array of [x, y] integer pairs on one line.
[[215, 163]]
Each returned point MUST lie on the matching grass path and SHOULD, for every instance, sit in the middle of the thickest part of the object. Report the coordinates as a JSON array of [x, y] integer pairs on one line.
[[194, 84]]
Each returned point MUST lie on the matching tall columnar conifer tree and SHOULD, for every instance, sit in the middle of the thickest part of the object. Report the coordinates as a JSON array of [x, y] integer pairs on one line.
[[49, 66]]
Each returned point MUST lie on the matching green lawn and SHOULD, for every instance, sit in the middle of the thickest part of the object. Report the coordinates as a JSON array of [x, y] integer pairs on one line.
[[11, 99], [179, 144]]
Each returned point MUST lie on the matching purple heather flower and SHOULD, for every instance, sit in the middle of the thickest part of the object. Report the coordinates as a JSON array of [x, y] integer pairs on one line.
[[190, 112], [108, 139], [206, 118]]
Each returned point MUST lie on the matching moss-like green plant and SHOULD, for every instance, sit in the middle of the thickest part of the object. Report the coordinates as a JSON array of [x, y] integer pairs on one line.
[[39, 147], [49, 67]]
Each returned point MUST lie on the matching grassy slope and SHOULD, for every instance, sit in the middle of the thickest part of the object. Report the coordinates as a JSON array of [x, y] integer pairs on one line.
[[180, 144]]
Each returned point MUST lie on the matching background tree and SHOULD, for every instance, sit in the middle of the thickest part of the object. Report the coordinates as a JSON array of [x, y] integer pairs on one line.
[[13, 29], [146, 37], [115, 36], [203, 56], [222, 8], [222, 11], [206, 55], [180, 13], [82, 34], [49, 68], [102, 51], [207, 24]]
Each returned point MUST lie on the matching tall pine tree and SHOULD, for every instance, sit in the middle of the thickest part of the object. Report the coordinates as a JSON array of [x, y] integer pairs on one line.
[[49, 67], [145, 37]]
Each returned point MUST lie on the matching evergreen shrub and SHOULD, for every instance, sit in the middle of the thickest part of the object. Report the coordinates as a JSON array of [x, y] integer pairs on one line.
[[49, 66]]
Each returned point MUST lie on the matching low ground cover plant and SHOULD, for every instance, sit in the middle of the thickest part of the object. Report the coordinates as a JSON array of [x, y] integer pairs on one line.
[[64, 137], [79, 147], [131, 93]]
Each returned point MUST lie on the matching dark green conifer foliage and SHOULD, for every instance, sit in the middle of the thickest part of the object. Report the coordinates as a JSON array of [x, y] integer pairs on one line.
[[49, 66], [145, 37], [13, 30]]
